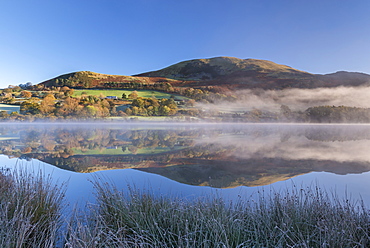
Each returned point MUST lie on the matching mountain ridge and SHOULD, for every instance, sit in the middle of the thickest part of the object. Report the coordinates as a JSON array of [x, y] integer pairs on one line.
[[226, 72], [221, 66]]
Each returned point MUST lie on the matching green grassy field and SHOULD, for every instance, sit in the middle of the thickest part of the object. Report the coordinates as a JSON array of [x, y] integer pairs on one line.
[[118, 93], [9, 108]]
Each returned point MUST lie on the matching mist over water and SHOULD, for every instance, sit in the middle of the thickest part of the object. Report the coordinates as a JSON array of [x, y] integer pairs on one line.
[[296, 99], [293, 148]]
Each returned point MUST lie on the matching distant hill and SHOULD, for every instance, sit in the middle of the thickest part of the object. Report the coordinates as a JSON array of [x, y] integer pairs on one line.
[[212, 171], [220, 174], [228, 72], [88, 79], [237, 73], [220, 67]]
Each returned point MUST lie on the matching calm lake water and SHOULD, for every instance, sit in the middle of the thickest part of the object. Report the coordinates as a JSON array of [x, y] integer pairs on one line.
[[192, 160]]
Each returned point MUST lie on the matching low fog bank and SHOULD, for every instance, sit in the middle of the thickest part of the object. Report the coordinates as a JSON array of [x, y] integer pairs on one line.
[[295, 99], [289, 147]]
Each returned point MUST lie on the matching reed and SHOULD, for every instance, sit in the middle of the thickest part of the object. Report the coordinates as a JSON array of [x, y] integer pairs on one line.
[[30, 210], [298, 217]]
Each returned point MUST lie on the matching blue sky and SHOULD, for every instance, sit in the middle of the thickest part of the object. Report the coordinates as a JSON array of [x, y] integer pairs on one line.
[[41, 39]]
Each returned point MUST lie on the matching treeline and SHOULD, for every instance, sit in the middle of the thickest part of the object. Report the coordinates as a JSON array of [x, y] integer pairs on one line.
[[338, 114], [152, 107], [317, 114], [137, 85], [61, 143], [327, 114], [84, 107], [59, 103], [86, 80], [209, 94], [206, 94]]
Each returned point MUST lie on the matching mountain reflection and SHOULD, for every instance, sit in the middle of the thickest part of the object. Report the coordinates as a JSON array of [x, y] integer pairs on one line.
[[217, 156]]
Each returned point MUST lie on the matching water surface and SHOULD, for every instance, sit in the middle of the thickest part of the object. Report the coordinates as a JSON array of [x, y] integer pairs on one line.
[[193, 160]]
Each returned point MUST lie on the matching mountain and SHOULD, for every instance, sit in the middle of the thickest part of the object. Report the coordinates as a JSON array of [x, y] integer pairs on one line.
[[220, 67], [226, 72], [220, 174], [235, 73], [213, 171]]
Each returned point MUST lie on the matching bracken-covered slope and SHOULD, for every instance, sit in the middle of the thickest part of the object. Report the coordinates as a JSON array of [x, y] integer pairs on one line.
[[88, 79], [219, 67], [226, 72], [237, 73]]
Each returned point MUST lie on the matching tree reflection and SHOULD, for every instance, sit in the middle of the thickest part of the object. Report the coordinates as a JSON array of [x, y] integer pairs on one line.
[[218, 156]]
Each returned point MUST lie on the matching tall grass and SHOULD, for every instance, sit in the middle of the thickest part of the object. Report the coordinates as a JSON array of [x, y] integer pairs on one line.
[[300, 217], [30, 210]]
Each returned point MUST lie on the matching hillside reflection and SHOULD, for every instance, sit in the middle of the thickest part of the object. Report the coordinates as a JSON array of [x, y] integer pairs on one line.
[[214, 155]]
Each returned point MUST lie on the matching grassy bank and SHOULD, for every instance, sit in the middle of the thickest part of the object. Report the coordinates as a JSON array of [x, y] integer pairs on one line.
[[298, 217], [30, 211], [295, 218]]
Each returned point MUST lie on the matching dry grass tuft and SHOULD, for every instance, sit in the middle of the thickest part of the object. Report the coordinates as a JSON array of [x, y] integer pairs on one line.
[[301, 217], [30, 210]]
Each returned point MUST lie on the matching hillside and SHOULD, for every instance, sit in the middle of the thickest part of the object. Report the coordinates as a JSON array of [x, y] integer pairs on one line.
[[226, 72], [220, 174], [88, 79], [219, 67], [235, 73], [212, 172]]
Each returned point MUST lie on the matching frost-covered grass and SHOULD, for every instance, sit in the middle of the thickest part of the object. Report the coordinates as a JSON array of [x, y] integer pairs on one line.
[[30, 211], [296, 218]]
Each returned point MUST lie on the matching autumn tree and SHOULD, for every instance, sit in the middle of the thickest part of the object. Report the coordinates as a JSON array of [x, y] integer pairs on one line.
[[68, 107], [64, 89], [16, 88], [104, 108], [30, 107], [152, 107], [128, 111], [133, 95], [91, 111], [7, 90], [69, 92], [89, 100], [47, 105], [26, 94], [190, 103], [170, 104]]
